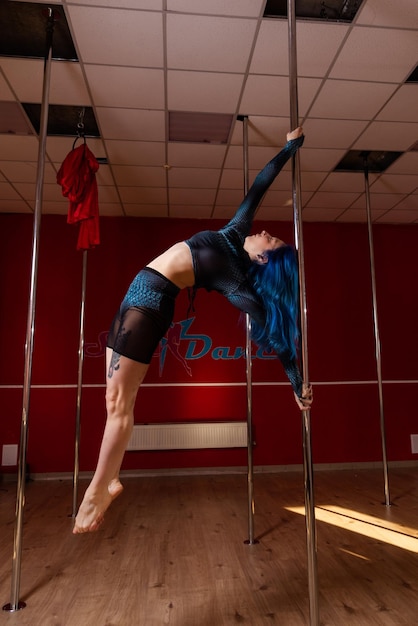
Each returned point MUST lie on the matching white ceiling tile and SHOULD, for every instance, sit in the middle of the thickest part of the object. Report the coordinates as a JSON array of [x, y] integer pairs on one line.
[[194, 212], [214, 44], [118, 36], [130, 87], [194, 178], [145, 210], [107, 193], [398, 217], [311, 181], [14, 206], [409, 203], [271, 51], [307, 91], [332, 200], [313, 214], [264, 96], [270, 213], [283, 181], [324, 40], [104, 175], [152, 5], [395, 136], [406, 164], [26, 190], [351, 100], [235, 158], [131, 124], [224, 213], [110, 208], [195, 155], [376, 54], [194, 197], [399, 14], [232, 179], [262, 131], [67, 84], [319, 160], [143, 195], [54, 208], [358, 216], [21, 172], [240, 8], [378, 201], [344, 181], [53, 192], [135, 175], [278, 198], [203, 91], [391, 183], [7, 192], [229, 197], [403, 105], [13, 147], [325, 133], [135, 152], [6, 93]]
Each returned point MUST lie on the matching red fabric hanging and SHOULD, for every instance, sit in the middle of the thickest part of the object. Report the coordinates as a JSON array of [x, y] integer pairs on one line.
[[77, 177]]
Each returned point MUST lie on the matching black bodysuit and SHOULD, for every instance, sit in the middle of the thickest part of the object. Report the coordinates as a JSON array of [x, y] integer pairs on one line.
[[220, 263]]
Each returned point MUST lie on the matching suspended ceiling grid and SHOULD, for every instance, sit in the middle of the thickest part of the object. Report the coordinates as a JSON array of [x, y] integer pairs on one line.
[[141, 59]]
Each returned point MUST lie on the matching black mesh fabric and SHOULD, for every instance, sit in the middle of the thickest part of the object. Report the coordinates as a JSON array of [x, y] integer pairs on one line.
[[221, 263], [144, 317]]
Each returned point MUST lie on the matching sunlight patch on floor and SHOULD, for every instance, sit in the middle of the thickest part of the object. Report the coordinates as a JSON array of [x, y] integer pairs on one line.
[[367, 525], [356, 554]]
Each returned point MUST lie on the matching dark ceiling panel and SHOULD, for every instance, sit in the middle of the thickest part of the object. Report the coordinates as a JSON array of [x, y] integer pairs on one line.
[[199, 127], [23, 31], [413, 77], [329, 11], [63, 119], [13, 120], [377, 161]]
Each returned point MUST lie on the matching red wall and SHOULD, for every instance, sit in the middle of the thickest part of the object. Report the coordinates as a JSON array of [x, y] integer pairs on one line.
[[342, 366]]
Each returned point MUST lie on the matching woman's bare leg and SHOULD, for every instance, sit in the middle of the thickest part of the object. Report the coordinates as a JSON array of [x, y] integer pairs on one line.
[[123, 380]]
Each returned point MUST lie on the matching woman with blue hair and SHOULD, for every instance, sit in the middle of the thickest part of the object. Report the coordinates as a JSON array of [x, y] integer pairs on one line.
[[257, 273]]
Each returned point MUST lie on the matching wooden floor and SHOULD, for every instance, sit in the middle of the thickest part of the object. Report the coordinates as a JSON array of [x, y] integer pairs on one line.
[[172, 551]]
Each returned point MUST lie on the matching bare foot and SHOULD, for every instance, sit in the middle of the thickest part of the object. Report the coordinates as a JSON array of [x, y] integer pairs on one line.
[[294, 134], [90, 515], [115, 488]]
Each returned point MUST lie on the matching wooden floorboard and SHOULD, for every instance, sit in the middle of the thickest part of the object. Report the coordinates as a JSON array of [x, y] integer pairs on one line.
[[172, 552]]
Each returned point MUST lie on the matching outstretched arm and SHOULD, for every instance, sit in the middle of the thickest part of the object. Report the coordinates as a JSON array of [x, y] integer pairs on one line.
[[246, 302], [244, 216]]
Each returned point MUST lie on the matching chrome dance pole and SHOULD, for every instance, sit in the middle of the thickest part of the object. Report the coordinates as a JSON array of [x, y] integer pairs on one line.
[[376, 329], [15, 604], [248, 360], [306, 414], [79, 387]]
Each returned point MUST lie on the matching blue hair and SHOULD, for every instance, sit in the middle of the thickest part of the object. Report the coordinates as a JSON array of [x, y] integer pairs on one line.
[[277, 285]]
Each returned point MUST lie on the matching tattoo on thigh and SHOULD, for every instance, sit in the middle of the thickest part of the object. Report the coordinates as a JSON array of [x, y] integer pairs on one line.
[[114, 364]]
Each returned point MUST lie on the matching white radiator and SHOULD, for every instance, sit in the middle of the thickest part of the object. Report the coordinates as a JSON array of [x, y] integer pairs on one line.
[[188, 435]]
